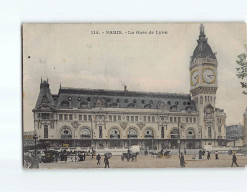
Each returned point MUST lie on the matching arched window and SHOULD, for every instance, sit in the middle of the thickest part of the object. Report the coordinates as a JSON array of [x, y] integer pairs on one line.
[[132, 133], [190, 134], [85, 134], [66, 133], [115, 134], [149, 133], [174, 134]]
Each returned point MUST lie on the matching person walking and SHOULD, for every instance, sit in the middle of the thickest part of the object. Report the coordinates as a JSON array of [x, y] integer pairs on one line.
[[184, 151], [234, 160], [84, 156], [216, 155], [200, 154], [98, 157], [208, 156], [182, 162], [106, 161]]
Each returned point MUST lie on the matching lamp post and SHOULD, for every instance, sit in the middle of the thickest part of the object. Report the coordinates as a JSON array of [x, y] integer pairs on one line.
[[92, 135], [201, 135], [35, 163], [182, 126]]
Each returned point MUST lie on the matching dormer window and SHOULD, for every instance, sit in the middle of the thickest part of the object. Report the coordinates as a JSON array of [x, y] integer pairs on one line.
[[79, 98], [69, 98], [65, 104]]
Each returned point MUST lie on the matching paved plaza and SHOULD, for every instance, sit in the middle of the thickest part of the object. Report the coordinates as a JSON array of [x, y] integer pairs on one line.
[[149, 162]]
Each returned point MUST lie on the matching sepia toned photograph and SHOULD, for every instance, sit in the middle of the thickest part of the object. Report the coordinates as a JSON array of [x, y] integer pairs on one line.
[[157, 95]]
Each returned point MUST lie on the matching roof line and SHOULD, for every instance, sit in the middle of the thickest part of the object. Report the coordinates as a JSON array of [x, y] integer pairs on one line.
[[121, 91]]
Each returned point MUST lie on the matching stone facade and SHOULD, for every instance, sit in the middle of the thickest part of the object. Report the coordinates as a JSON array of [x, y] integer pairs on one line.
[[115, 118]]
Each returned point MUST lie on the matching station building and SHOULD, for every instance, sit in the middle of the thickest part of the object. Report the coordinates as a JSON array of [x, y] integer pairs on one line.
[[120, 118]]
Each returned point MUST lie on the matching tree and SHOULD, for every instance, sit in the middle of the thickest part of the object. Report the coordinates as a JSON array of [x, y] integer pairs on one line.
[[242, 71]]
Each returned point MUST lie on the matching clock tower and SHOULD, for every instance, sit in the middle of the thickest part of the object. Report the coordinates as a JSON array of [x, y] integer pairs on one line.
[[203, 86]]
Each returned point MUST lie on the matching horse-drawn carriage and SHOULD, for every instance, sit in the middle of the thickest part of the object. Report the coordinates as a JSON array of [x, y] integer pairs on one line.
[[129, 155], [161, 154]]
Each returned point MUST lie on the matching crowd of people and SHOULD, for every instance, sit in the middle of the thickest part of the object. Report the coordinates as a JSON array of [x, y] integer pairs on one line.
[[201, 153]]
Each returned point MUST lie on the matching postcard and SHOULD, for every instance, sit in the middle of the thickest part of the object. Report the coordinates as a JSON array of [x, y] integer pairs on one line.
[[150, 95]]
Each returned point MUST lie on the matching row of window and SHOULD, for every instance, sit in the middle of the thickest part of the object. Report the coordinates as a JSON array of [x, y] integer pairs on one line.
[[115, 134], [134, 101], [67, 117]]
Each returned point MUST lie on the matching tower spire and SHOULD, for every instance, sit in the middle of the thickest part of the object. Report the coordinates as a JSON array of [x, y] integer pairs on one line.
[[202, 36], [202, 29]]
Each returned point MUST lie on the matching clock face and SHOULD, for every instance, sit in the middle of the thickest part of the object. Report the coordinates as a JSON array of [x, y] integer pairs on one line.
[[209, 76], [195, 78]]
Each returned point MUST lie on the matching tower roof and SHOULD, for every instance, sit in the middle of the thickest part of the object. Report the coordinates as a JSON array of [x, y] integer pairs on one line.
[[202, 50]]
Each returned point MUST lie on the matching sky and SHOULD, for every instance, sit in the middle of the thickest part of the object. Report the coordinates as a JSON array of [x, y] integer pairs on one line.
[[76, 56]]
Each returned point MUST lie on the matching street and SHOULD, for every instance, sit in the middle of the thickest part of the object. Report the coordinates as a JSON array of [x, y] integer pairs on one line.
[[149, 162]]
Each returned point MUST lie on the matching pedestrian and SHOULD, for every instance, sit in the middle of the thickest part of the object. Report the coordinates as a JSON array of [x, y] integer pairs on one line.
[[184, 151], [216, 155], [106, 161], [208, 156], [200, 154], [182, 162], [92, 153], [234, 160], [98, 157], [84, 156]]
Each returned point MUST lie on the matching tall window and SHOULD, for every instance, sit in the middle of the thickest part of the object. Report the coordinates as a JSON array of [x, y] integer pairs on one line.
[[209, 132], [119, 117], [70, 117], [132, 118], [171, 119], [219, 129], [45, 131], [100, 132], [175, 119], [60, 117], [110, 117], [162, 132], [85, 117], [65, 117], [80, 117], [115, 118], [153, 119], [145, 118], [136, 118]]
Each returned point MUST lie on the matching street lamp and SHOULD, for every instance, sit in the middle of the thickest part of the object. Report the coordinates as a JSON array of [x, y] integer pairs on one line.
[[35, 163], [182, 126], [92, 135]]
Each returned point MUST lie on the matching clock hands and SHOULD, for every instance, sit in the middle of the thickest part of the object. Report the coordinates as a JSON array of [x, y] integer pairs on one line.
[[210, 76], [196, 77]]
